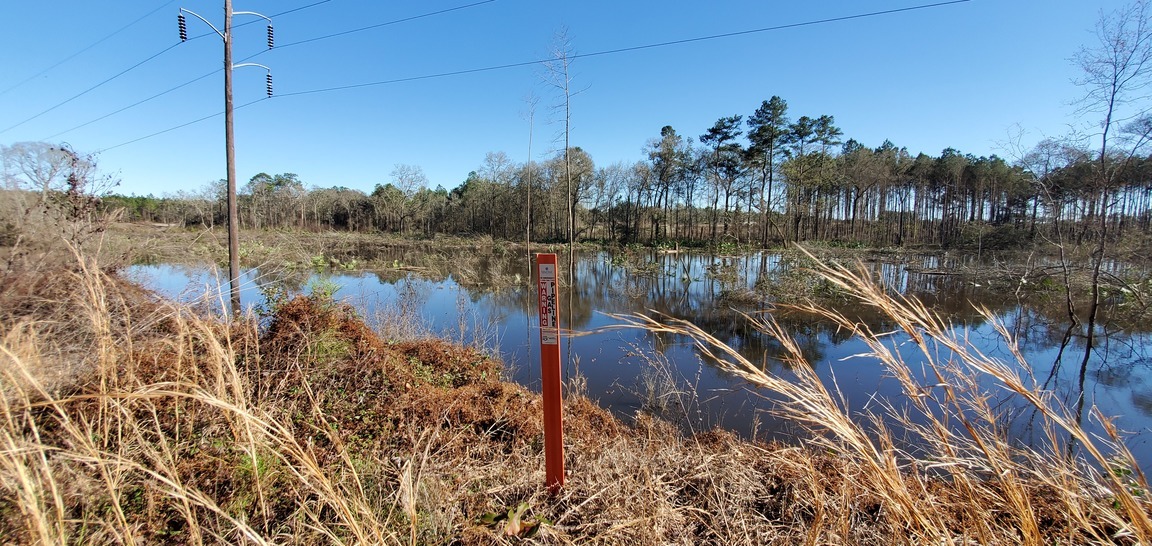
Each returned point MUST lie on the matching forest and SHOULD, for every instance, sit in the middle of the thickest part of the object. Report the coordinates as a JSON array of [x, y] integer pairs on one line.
[[764, 179]]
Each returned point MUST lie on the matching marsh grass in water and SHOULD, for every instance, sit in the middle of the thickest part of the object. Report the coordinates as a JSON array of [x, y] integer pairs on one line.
[[964, 452]]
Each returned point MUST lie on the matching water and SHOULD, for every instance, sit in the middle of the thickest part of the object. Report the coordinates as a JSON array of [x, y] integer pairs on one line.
[[487, 298]]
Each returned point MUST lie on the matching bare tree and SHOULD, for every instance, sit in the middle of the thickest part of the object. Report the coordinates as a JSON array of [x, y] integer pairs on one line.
[[1042, 161], [49, 192], [31, 172], [530, 101], [560, 77], [409, 178], [1117, 72]]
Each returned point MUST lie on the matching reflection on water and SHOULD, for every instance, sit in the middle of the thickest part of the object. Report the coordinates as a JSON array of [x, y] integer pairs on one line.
[[487, 298]]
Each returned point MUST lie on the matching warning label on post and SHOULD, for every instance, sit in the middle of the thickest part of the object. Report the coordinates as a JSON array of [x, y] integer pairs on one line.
[[548, 306], [549, 316]]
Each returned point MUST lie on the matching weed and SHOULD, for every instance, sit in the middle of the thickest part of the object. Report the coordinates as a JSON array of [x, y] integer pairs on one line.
[[727, 248], [724, 271], [250, 250], [273, 295], [323, 290], [513, 523]]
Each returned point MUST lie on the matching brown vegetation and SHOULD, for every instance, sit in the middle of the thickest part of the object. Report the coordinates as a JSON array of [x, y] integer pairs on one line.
[[176, 428]]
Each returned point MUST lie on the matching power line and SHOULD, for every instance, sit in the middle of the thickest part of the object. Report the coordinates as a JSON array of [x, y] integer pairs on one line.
[[293, 10], [90, 89], [578, 56], [195, 121], [181, 126], [90, 46], [274, 15], [378, 25], [628, 49], [133, 105], [414, 78], [162, 93], [137, 65], [254, 21]]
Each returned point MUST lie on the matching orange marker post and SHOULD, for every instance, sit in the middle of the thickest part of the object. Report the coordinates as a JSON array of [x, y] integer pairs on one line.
[[547, 275]]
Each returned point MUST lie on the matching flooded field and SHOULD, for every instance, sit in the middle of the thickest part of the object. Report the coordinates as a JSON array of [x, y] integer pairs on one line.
[[488, 300]]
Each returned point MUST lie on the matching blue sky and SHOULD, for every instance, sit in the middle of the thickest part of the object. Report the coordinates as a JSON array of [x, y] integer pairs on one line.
[[960, 75]]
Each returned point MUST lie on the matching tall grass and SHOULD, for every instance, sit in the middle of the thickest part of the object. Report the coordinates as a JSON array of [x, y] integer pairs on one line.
[[175, 427], [110, 460], [968, 480]]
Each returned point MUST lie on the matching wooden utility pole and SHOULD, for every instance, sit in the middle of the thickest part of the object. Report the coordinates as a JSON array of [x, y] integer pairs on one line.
[[229, 145], [230, 155]]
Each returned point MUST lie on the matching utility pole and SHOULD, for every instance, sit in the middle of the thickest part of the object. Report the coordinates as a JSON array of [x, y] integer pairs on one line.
[[229, 144], [230, 155]]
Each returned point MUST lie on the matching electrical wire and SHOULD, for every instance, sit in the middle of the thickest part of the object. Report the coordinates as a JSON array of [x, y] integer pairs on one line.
[[293, 10], [90, 46], [259, 20], [190, 82], [133, 105], [370, 27], [577, 56], [627, 49], [135, 66], [181, 126], [90, 89], [162, 93]]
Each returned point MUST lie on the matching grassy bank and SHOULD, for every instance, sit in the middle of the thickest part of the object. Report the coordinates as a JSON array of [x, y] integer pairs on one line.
[[127, 419]]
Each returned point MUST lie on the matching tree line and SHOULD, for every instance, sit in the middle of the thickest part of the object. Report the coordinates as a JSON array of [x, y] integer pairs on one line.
[[766, 179]]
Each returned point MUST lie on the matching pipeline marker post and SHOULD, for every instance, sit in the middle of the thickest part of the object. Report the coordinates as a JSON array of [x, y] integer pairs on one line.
[[547, 275]]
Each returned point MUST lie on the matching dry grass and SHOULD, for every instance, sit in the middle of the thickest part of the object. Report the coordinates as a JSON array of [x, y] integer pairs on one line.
[[968, 481], [172, 427]]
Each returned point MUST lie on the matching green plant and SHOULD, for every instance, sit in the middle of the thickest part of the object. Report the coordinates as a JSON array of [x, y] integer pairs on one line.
[[274, 294], [513, 524], [727, 247], [252, 249], [723, 271], [323, 290]]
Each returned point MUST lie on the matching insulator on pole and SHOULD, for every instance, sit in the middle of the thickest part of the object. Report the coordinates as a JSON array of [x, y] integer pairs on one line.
[[270, 40], [268, 80], [183, 27]]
